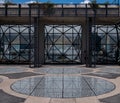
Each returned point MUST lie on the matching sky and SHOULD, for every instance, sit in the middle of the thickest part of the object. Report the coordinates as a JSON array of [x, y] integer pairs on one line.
[[63, 1]]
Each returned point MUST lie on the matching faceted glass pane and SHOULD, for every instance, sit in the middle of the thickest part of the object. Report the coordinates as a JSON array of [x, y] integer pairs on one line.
[[65, 41]]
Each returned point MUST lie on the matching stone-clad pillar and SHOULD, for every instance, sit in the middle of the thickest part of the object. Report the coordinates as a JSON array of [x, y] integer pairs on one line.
[[86, 42], [83, 56], [89, 43], [38, 43]]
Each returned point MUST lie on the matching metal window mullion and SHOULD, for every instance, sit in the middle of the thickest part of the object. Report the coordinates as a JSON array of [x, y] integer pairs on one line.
[[53, 55], [30, 45], [47, 43], [20, 43], [106, 45], [72, 44], [63, 41], [4, 44], [30, 40], [80, 51]]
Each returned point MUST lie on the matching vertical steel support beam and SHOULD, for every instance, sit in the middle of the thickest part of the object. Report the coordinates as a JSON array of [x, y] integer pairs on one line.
[[84, 41], [38, 43], [89, 42]]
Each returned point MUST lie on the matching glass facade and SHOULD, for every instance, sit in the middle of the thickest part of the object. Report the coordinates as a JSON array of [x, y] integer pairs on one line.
[[107, 43], [16, 43], [63, 44]]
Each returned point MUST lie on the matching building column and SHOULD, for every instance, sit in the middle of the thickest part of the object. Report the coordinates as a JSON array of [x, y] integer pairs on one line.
[[87, 42], [38, 43], [83, 44]]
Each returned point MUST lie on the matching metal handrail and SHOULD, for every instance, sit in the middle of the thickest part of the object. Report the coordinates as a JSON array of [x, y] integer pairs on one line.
[[59, 10]]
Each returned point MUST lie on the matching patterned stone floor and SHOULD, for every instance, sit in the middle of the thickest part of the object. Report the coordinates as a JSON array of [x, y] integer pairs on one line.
[[59, 84]]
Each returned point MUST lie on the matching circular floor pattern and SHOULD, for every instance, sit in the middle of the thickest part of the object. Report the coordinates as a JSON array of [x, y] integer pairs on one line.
[[11, 70], [62, 70], [63, 86]]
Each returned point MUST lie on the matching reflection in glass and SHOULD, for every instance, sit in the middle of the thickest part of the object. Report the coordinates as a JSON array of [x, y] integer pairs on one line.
[[16, 43], [63, 44], [107, 43]]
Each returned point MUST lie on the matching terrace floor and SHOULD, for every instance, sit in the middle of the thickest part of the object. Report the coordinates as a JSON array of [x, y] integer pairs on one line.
[[59, 84]]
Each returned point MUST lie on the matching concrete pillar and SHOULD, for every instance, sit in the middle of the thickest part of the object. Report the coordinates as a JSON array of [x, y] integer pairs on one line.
[[84, 40], [38, 43], [87, 43]]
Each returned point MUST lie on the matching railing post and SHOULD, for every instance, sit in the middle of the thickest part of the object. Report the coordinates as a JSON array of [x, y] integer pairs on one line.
[[19, 12], [62, 10], [86, 10], [106, 10], [29, 10], [76, 10], [38, 11], [118, 10], [6, 9]]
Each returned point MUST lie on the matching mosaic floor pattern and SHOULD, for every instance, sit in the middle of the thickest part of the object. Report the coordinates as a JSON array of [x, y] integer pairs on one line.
[[63, 86]]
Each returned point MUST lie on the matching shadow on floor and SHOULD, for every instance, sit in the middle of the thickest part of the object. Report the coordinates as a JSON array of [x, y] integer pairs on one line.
[[105, 75], [19, 75], [112, 99], [6, 98]]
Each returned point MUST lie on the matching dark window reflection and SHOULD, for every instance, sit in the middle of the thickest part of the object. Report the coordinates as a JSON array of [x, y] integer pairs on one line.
[[105, 42]]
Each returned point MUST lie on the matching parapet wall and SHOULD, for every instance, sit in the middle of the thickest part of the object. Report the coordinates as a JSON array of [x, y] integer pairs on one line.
[[59, 10]]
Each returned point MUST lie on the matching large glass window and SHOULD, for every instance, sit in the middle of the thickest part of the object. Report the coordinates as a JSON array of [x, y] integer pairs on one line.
[[16, 43], [107, 43], [62, 44]]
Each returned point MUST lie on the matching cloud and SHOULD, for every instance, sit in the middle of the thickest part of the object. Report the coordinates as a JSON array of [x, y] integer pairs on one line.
[[2, 1], [86, 2]]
